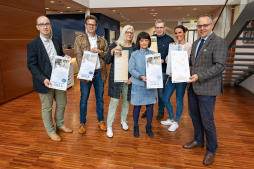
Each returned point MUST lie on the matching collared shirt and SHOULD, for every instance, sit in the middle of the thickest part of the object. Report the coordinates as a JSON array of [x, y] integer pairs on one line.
[[50, 48], [93, 43], [200, 42]]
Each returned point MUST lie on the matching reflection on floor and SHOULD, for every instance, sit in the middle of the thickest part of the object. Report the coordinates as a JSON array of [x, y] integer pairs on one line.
[[25, 144]]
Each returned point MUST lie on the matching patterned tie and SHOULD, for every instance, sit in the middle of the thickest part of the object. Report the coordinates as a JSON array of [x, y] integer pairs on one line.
[[200, 46], [50, 51]]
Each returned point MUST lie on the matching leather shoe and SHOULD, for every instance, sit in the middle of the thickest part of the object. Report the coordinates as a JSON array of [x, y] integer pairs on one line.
[[102, 126], [55, 137], [192, 145], [65, 129], [160, 115], [82, 129], [149, 131], [209, 159], [136, 131], [143, 115]]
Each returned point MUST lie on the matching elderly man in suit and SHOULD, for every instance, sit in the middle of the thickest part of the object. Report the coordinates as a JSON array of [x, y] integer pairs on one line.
[[40, 58], [208, 60]]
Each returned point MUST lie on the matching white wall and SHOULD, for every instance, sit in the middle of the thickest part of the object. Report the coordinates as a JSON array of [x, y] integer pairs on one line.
[[248, 84]]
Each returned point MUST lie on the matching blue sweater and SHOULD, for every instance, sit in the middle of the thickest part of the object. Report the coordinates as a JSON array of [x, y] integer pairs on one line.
[[163, 43]]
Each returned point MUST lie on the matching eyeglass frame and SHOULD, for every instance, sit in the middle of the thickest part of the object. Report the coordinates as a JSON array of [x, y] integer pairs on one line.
[[44, 24], [204, 26], [93, 25]]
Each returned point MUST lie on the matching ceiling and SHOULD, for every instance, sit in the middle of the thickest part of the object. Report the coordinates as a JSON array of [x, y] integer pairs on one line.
[[134, 14]]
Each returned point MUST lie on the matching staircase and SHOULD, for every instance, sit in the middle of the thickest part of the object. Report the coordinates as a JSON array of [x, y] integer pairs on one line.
[[240, 61]]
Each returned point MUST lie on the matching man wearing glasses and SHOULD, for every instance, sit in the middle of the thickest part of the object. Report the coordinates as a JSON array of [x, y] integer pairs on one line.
[[97, 44], [163, 41], [40, 59], [207, 61]]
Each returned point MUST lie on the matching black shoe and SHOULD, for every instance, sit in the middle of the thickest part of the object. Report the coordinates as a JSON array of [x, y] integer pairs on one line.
[[160, 115], [143, 115], [149, 131], [136, 131]]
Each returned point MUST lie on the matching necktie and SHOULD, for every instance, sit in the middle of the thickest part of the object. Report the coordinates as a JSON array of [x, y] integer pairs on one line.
[[200, 46]]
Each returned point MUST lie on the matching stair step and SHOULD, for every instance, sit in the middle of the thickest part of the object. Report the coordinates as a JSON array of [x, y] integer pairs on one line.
[[249, 65], [245, 38], [240, 53], [249, 29], [234, 81], [225, 77], [240, 74], [242, 46], [244, 70], [237, 59]]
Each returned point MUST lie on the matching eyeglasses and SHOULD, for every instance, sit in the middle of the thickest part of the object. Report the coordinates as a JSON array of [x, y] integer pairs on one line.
[[43, 24], [159, 27], [204, 26], [91, 24], [129, 33]]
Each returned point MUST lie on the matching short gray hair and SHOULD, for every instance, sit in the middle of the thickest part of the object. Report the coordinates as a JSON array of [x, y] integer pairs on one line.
[[207, 15], [121, 39], [40, 18]]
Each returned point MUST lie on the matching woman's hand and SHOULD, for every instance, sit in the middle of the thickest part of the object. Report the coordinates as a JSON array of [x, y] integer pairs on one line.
[[143, 78], [129, 81], [116, 48]]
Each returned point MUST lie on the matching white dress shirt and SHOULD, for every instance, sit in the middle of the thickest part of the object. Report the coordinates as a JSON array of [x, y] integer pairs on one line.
[[93, 43], [50, 48]]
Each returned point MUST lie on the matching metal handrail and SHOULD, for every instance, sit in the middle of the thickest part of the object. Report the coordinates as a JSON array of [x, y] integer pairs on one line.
[[220, 13]]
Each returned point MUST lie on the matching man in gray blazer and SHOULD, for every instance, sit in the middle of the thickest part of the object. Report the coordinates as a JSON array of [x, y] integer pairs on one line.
[[208, 60]]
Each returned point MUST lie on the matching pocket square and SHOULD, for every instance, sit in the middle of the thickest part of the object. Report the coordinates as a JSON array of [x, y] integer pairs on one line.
[[205, 50]]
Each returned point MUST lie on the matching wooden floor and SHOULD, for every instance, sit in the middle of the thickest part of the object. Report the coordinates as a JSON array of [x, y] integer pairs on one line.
[[25, 144]]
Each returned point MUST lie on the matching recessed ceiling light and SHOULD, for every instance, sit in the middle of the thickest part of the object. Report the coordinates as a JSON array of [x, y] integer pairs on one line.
[[194, 9], [187, 14], [113, 10], [79, 11], [154, 15], [61, 12], [152, 10], [52, 2], [68, 7], [46, 8]]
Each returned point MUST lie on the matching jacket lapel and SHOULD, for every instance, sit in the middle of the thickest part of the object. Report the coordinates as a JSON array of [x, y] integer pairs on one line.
[[56, 46], [43, 50], [207, 42]]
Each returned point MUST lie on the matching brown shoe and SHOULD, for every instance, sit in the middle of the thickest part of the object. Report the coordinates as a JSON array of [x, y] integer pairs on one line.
[[102, 126], [65, 129], [55, 137], [192, 145], [82, 129], [209, 159]]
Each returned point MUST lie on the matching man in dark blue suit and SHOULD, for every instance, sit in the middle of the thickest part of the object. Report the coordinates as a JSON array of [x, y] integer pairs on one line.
[[40, 57], [207, 60]]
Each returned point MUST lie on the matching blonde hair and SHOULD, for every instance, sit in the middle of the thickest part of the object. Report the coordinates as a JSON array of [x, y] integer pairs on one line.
[[121, 39], [159, 21]]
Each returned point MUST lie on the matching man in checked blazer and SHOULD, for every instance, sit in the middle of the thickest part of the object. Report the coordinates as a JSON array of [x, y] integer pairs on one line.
[[40, 58], [207, 61]]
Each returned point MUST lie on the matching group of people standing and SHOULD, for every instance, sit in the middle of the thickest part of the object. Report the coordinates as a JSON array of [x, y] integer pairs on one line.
[[207, 61]]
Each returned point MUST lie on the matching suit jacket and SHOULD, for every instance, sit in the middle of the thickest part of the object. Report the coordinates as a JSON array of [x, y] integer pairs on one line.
[[209, 65], [82, 44], [39, 64]]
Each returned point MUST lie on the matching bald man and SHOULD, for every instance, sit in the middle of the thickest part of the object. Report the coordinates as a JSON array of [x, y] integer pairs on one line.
[[40, 57]]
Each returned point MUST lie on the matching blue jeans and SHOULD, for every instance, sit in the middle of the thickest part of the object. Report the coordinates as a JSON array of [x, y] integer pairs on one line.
[[160, 91], [85, 91], [180, 91], [201, 111]]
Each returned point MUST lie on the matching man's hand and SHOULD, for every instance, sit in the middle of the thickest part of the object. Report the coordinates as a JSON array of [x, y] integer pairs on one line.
[[143, 78], [162, 61], [95, 50], [47, 83], [129, 81], [193, 78]]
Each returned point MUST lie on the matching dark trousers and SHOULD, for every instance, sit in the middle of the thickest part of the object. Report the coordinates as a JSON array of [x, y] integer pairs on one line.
[[149, 113], [201, 111]]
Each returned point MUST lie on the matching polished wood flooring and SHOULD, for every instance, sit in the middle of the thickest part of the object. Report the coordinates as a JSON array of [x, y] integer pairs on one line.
[[25, 144]]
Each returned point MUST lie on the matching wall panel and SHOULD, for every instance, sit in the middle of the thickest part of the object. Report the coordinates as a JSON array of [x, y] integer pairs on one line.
[[2, 99], [17, 23], [16, 83], [37, 6], [13, 54]]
